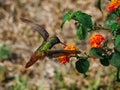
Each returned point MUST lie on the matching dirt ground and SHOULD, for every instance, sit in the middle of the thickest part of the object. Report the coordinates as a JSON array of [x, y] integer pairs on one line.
[[48, 74]]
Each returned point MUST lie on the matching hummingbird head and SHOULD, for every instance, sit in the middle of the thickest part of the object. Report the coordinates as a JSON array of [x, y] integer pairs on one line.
[[53, 40]]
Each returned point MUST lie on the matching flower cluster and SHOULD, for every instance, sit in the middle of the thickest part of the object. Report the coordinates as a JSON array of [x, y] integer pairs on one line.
[[114, 4], [64, 59], [99, 48], [95, 41]]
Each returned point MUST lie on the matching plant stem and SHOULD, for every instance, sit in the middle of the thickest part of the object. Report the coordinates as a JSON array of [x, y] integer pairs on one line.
[[117, 74], [85, 75], [98, 28]]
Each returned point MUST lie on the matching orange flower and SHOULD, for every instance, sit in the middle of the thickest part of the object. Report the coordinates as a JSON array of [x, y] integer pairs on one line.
[[95, 41], [114, 4], [64, 59], [70, 47]]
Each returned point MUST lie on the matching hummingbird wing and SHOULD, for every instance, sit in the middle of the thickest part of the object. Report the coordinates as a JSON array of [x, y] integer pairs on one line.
[[37, 27], [57, 53]]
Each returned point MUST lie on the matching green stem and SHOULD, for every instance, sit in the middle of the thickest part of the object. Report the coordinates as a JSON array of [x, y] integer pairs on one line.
[[85, 75], [98, 28], [117, 74], [77, 56]]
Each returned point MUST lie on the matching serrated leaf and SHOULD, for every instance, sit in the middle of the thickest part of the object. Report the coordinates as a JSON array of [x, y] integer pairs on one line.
[[113, 27], [110, 20], [96, 52], [81, 32], [82, 65], [115, 60], [83, 19], [117, 43], [66, 17], [98, 5]]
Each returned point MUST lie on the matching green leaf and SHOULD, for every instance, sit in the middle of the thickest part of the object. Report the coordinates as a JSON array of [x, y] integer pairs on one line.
[[98, 5], [110, 20], [82, 65], [4, 52], [81, 32], [117, 43], [66, 17], [96, 52], [115, 60], [83, 19], [104, 61], [113, 27]]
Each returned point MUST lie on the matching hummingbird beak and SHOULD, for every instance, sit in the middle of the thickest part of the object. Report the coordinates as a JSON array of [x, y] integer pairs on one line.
[[63, 43]]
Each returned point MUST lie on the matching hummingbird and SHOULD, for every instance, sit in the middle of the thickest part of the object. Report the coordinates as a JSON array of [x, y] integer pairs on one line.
[[48, 42]]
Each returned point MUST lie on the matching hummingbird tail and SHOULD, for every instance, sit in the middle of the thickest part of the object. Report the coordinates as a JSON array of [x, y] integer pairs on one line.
[[30, 63], [32, 60]]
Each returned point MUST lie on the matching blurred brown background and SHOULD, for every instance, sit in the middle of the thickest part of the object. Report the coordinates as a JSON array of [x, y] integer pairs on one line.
[[48, 74]]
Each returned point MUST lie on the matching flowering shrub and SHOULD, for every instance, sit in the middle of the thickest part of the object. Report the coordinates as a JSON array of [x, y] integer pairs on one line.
[[98, 43]]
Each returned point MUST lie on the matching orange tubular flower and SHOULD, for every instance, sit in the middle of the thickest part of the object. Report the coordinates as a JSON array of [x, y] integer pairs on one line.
[[64, 59], [95, 41], [114, 4]]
